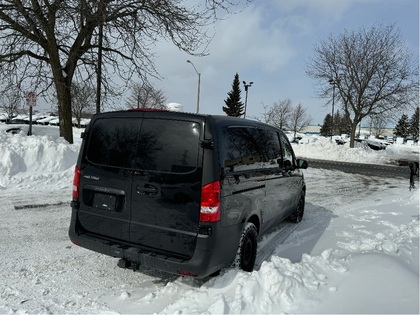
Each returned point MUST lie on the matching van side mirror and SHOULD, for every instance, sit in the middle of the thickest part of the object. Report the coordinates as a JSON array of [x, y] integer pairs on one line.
[[303, 164]]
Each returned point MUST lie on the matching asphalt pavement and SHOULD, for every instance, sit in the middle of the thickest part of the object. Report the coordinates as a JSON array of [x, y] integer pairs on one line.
[[364, 169]]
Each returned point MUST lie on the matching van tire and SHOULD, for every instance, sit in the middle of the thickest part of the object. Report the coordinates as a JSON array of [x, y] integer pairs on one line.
[[297, 215], [247, 249]]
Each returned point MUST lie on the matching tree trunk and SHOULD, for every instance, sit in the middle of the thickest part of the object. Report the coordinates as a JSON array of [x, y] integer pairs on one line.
[[66, 124], [64, 109], [353, 133]]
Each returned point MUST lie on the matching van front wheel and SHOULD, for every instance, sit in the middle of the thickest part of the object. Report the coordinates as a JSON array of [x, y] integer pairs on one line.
[[247, 250]]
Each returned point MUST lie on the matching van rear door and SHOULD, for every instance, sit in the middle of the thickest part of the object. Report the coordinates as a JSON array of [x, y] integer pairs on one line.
[[167, 187], [140, 181], [106, 178]]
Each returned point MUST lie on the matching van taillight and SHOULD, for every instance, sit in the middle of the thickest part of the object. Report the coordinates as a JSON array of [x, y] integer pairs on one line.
[[210, 202], [76, 181]]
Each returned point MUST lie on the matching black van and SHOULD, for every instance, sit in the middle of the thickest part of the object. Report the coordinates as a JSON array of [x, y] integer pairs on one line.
[[183, 193]]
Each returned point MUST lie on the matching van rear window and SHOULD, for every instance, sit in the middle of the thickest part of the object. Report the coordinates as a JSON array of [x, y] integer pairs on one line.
[[145, 144]]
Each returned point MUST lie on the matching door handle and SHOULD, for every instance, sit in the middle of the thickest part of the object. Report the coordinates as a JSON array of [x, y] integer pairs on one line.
[[147, 189]]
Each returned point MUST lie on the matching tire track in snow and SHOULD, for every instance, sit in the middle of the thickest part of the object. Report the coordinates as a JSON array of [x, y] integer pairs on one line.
[[270, 242]]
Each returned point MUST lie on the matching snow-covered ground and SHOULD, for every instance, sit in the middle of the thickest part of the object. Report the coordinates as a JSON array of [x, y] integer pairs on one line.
[[316, 147], [356, 250]]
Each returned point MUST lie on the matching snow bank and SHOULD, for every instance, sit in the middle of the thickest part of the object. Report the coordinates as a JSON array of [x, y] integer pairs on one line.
[[278, 286], [21, 153], [31, 158], [316, 147]]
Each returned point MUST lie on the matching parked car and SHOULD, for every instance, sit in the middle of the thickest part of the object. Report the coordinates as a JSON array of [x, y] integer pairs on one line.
[[377, 144], [46, 120], [183, 193], [54, 122], [18, 121], [83, 122], [4, 117]]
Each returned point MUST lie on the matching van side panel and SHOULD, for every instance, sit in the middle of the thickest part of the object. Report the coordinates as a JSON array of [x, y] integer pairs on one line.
[[241, 159]]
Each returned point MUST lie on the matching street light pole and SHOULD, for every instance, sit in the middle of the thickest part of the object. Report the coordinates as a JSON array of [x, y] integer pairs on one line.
[[333, 83], [246, 86], [99, 64], [198, 89]]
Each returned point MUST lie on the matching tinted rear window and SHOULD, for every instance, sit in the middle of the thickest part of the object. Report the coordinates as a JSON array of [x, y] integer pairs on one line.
[[145, 144]]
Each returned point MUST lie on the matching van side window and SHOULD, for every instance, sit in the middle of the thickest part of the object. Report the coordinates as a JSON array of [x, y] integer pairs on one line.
[[241, 147], [288, 158], [271, 146]]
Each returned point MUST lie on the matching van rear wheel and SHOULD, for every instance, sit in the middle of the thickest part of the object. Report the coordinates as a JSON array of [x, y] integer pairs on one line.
[[247, 250], [297, 215]]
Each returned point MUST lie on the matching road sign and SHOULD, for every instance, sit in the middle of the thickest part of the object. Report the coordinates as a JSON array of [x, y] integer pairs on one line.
[[30, 98]]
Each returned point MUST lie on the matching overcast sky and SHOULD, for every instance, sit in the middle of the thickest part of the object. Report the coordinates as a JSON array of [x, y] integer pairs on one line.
[[270, 42]]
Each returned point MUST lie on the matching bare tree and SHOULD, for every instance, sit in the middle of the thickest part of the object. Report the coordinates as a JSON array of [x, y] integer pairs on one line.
[[83, 100], [299, 119], [279, 114], [10, 102], [377, 124], [371, 69], [144, 95], [51, 42]]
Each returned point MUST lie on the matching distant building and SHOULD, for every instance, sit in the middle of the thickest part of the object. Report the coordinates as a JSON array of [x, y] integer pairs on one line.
[[311, 130]]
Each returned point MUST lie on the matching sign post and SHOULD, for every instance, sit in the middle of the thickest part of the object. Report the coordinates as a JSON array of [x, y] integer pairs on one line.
[[30, 101]]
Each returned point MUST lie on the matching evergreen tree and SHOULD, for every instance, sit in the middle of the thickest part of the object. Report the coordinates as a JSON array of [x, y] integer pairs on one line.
[[337, 124], [326, 126], [342, 124], [346, 124], [414, 124], [234, 107], [402, 128]]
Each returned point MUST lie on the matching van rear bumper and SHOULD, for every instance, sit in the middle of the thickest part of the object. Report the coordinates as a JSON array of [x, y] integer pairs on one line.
[[209, 256]]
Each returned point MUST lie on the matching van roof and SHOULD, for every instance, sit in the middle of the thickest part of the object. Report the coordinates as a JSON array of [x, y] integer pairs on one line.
[[218, 119]]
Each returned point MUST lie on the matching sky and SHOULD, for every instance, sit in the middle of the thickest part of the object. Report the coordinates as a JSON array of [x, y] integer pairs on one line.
[[270, 43]]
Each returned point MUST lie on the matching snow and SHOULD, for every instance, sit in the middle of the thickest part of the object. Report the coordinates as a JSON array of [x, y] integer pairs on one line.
[[316, 147], [356, 250]]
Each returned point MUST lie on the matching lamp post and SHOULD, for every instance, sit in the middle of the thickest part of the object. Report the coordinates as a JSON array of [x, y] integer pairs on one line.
[[99, 64], [333, 83], [246, 94], [198, 89]]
